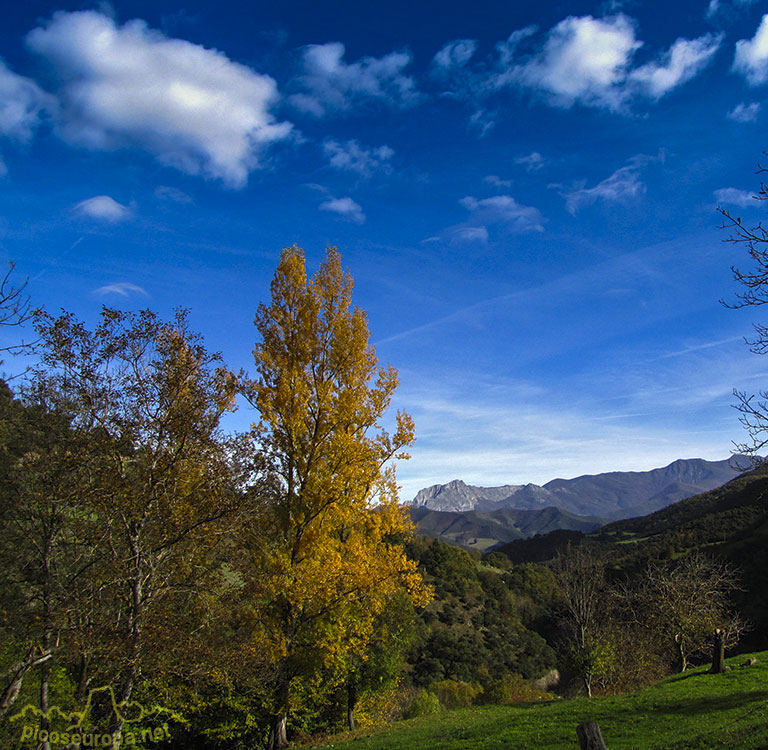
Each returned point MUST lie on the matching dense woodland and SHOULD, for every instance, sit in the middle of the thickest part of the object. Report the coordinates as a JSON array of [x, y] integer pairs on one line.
[[243, 591]]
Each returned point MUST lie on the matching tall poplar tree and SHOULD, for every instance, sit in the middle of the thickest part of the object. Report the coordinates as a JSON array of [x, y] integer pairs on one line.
[[326, 543]]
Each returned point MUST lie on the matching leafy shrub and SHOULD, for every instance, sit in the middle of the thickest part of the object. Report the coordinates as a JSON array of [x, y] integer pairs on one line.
[[424, 703], [454, 693], [512, 688]]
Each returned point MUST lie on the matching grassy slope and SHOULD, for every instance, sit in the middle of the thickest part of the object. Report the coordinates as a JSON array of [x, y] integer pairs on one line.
[[692, 711]]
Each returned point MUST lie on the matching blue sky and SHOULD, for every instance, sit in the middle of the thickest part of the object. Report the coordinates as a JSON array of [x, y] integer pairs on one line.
[[525, 194]]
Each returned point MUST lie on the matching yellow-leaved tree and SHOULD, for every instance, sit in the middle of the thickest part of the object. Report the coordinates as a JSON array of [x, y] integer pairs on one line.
[[325, 547]]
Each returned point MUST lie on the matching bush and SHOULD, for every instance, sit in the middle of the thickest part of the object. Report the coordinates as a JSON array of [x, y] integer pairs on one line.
[[423, 704], [512, 688], [454, 693]]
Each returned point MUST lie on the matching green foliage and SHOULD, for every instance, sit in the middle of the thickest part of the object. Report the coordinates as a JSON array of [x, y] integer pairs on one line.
[[424, 703], [454, 693], [512, 688]]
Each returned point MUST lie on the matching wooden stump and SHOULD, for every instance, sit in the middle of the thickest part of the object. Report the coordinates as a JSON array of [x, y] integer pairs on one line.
[[590, 737]]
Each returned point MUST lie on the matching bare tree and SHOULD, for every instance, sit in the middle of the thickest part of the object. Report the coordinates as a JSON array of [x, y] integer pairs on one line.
[[581, 579], [753, 407], [686, 602], [15, 307]]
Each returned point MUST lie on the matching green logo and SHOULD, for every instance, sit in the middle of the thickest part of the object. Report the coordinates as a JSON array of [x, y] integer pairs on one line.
[[76, 726]]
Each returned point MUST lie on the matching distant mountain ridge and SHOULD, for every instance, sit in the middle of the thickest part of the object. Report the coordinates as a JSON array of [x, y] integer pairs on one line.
[[612, 496]]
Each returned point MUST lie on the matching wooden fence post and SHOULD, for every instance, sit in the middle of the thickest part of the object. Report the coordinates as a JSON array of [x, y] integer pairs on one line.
[[590, 737]]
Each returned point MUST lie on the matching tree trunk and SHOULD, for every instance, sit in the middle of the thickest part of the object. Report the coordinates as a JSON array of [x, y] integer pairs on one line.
[[682, 659], [45, 676], [351, 702], [590, 737], [278, 736], [17, 673], [718, 653]]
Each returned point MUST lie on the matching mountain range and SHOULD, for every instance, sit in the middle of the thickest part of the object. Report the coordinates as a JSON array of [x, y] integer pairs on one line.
[[613, 495], [483, 517]]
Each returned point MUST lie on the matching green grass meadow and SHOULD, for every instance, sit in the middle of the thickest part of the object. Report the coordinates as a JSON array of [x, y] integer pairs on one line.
[[693, 710]]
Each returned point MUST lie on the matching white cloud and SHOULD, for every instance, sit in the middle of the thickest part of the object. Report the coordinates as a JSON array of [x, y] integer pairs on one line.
[[745, 112], [344, 207], [589, 61], [504, 209], [123, 289], [584, 60], [454, 55], [331, 85], [103, 208], [735, 197], [532, 163], [496, 181], [191, 107], [353, 157], [22, 102], [622, 186], [751, 58], [683, 61]]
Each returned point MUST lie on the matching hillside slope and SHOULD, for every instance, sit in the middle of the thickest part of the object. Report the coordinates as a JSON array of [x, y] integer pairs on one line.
[[693, 711]]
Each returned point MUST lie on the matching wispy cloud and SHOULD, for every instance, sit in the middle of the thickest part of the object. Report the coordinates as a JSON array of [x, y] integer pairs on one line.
[[103, 208], [745, 112], [504, 209], [191, 107], [121, 289], [353, 157], [622, 186], [496, 181], [167, 193], [346, 208], [682, 62], [453, 56], [533, 162], [333, 86], [735, 197]]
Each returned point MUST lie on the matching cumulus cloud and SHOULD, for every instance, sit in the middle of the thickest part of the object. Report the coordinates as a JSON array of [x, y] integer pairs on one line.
[[745, 112], [103, 208], [583, 60], [532, 162], [683, 61], [735, 197], [589, 61], [191, 107], [332, 85], [504, 209], [353, 157], [122, 289], [751, 59], [22, 103], [621, 187], [346, 208]]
